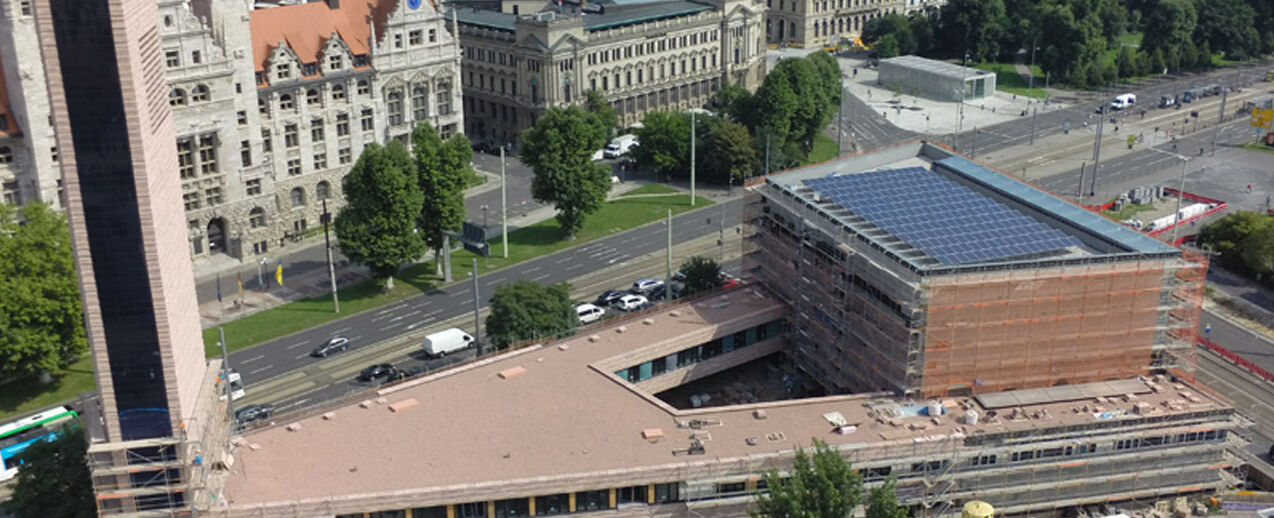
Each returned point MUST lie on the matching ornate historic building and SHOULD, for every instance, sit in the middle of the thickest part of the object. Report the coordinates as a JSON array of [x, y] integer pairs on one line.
[[270, 106], [641, 55], [815, 23]]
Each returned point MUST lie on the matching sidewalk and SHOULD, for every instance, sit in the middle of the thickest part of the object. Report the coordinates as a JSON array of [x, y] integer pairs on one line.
[[315, 282]]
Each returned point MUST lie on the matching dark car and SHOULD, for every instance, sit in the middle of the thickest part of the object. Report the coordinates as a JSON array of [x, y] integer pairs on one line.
[[661, 292], [609, 297], [337, 344], [382, 370], [254, 413], [403, 374]]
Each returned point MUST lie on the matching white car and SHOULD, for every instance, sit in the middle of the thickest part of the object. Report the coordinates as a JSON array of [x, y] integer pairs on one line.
[[631, 303], [589, 313]]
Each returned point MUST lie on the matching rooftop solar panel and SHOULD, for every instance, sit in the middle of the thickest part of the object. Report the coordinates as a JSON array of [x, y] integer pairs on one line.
[[945, 220]]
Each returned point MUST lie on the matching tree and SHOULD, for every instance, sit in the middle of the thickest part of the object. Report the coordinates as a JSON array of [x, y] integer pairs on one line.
[[896, 25], [823, 485], [441, 169], [1228, 26], [1167, 27], [733, 102], [377, 226], [559, 148], [887, 47], [972, 27], [664, 143], [604, 114], [1257, 251], [54, 479], [1231, 238], [523, 310], [922, 30], [730, 155], [701, 274], [41, 317], [882, 501], [1126, 62], [775, 106]]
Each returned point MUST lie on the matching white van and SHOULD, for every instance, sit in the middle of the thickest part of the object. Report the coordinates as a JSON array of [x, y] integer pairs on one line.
[[620, 146], [1123, 101], [446, 342]]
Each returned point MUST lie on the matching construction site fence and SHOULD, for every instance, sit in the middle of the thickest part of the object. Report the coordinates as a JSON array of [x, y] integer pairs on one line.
[[1238, 360]]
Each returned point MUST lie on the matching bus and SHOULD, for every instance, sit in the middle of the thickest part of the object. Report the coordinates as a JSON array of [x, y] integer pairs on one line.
[[18, 435]]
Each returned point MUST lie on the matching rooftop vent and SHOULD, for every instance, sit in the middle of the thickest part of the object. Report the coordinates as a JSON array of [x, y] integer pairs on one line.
[[512, 372]]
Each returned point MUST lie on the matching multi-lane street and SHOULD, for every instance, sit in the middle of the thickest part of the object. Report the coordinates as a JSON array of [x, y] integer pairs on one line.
[[291, 352]]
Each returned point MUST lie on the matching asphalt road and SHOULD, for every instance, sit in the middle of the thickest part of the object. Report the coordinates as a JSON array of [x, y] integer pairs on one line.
[[1052, 122], [291, 352]]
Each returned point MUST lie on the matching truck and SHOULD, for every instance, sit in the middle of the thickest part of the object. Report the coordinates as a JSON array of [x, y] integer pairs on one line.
[[620, 146], [446, 342]]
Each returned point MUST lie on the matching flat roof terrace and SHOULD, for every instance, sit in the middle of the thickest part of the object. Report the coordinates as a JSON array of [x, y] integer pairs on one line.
[[555, 418]]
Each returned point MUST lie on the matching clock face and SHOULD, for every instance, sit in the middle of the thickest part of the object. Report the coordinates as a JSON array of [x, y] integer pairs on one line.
[[414, 4]]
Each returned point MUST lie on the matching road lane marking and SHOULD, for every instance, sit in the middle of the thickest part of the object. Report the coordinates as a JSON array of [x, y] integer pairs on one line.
[[301, 356], [262, 369], [400, 317], [391, 326], [341, 330], [252, 359], [294, 346], [529, 270], [540, 278]]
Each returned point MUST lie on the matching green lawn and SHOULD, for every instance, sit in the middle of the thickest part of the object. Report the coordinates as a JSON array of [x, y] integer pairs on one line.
[[824, 150], [28, 395], [652, 188], [1129, 210], [525, 243], [1259, 147], [1009, 81], [475, 180]]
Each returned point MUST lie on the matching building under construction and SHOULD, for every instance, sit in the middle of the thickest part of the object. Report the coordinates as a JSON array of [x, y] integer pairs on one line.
[[920, 272]]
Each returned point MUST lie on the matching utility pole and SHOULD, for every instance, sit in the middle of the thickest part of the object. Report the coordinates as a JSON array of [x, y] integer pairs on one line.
[[840, 123], [446, 257], [1034, 115], [1220, 117], [1097, 150], [477, 303], [1185, 163], [973, 143], [331, 267], [692, 159], [1079, 189], [225, 373], [721, 235], [504, 207], [1032, 71], [669, 253]]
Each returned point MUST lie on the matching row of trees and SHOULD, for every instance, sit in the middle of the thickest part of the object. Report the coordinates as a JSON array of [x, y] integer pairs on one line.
[[1244, 243], [1072, 37], [399, 205], [796, 101]]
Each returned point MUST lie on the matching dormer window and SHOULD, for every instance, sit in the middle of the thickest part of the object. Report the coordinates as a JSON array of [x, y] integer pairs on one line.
[[335, 62], [361, 60], [282, 72], [309, 69]]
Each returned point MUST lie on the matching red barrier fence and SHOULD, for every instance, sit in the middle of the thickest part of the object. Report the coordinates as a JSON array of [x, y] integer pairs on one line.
[[1234, 357]]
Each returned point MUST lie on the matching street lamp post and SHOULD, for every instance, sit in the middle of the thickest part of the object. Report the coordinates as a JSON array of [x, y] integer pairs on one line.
[[260, 281]]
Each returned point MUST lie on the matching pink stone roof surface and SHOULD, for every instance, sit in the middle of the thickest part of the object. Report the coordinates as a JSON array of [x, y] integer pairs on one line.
[[565, 416]]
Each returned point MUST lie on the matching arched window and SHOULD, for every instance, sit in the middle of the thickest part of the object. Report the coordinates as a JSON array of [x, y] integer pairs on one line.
[[286, 102], [6, 155], [394, 105], [338, 93], [256, 217], [177, 97], [298, 197], [312, 96], [199, 94], [420, 102], [363, 87], [323, 190]]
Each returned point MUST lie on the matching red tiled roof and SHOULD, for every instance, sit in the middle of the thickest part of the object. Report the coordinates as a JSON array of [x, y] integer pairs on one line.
[[11, 124], [305, 28]]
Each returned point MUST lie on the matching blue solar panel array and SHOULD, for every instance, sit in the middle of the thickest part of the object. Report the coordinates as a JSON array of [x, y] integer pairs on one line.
[[945, 220]]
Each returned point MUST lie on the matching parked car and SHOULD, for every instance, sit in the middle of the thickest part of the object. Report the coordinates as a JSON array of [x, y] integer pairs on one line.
[[728, 281], [1123, 101], [402, 374], [1167, 101], [679, 276], [589, 313], [336, 344], [446, 342], [254, 413], [380, 370], [645, 285], [609, 297], [632, 302], [661, 292]]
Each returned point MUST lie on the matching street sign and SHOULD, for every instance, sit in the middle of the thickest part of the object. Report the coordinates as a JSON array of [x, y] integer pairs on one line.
[[474, 239], [1262, 118]]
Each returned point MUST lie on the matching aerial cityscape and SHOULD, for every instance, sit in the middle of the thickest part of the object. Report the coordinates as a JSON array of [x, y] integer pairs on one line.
[[636, 258]]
